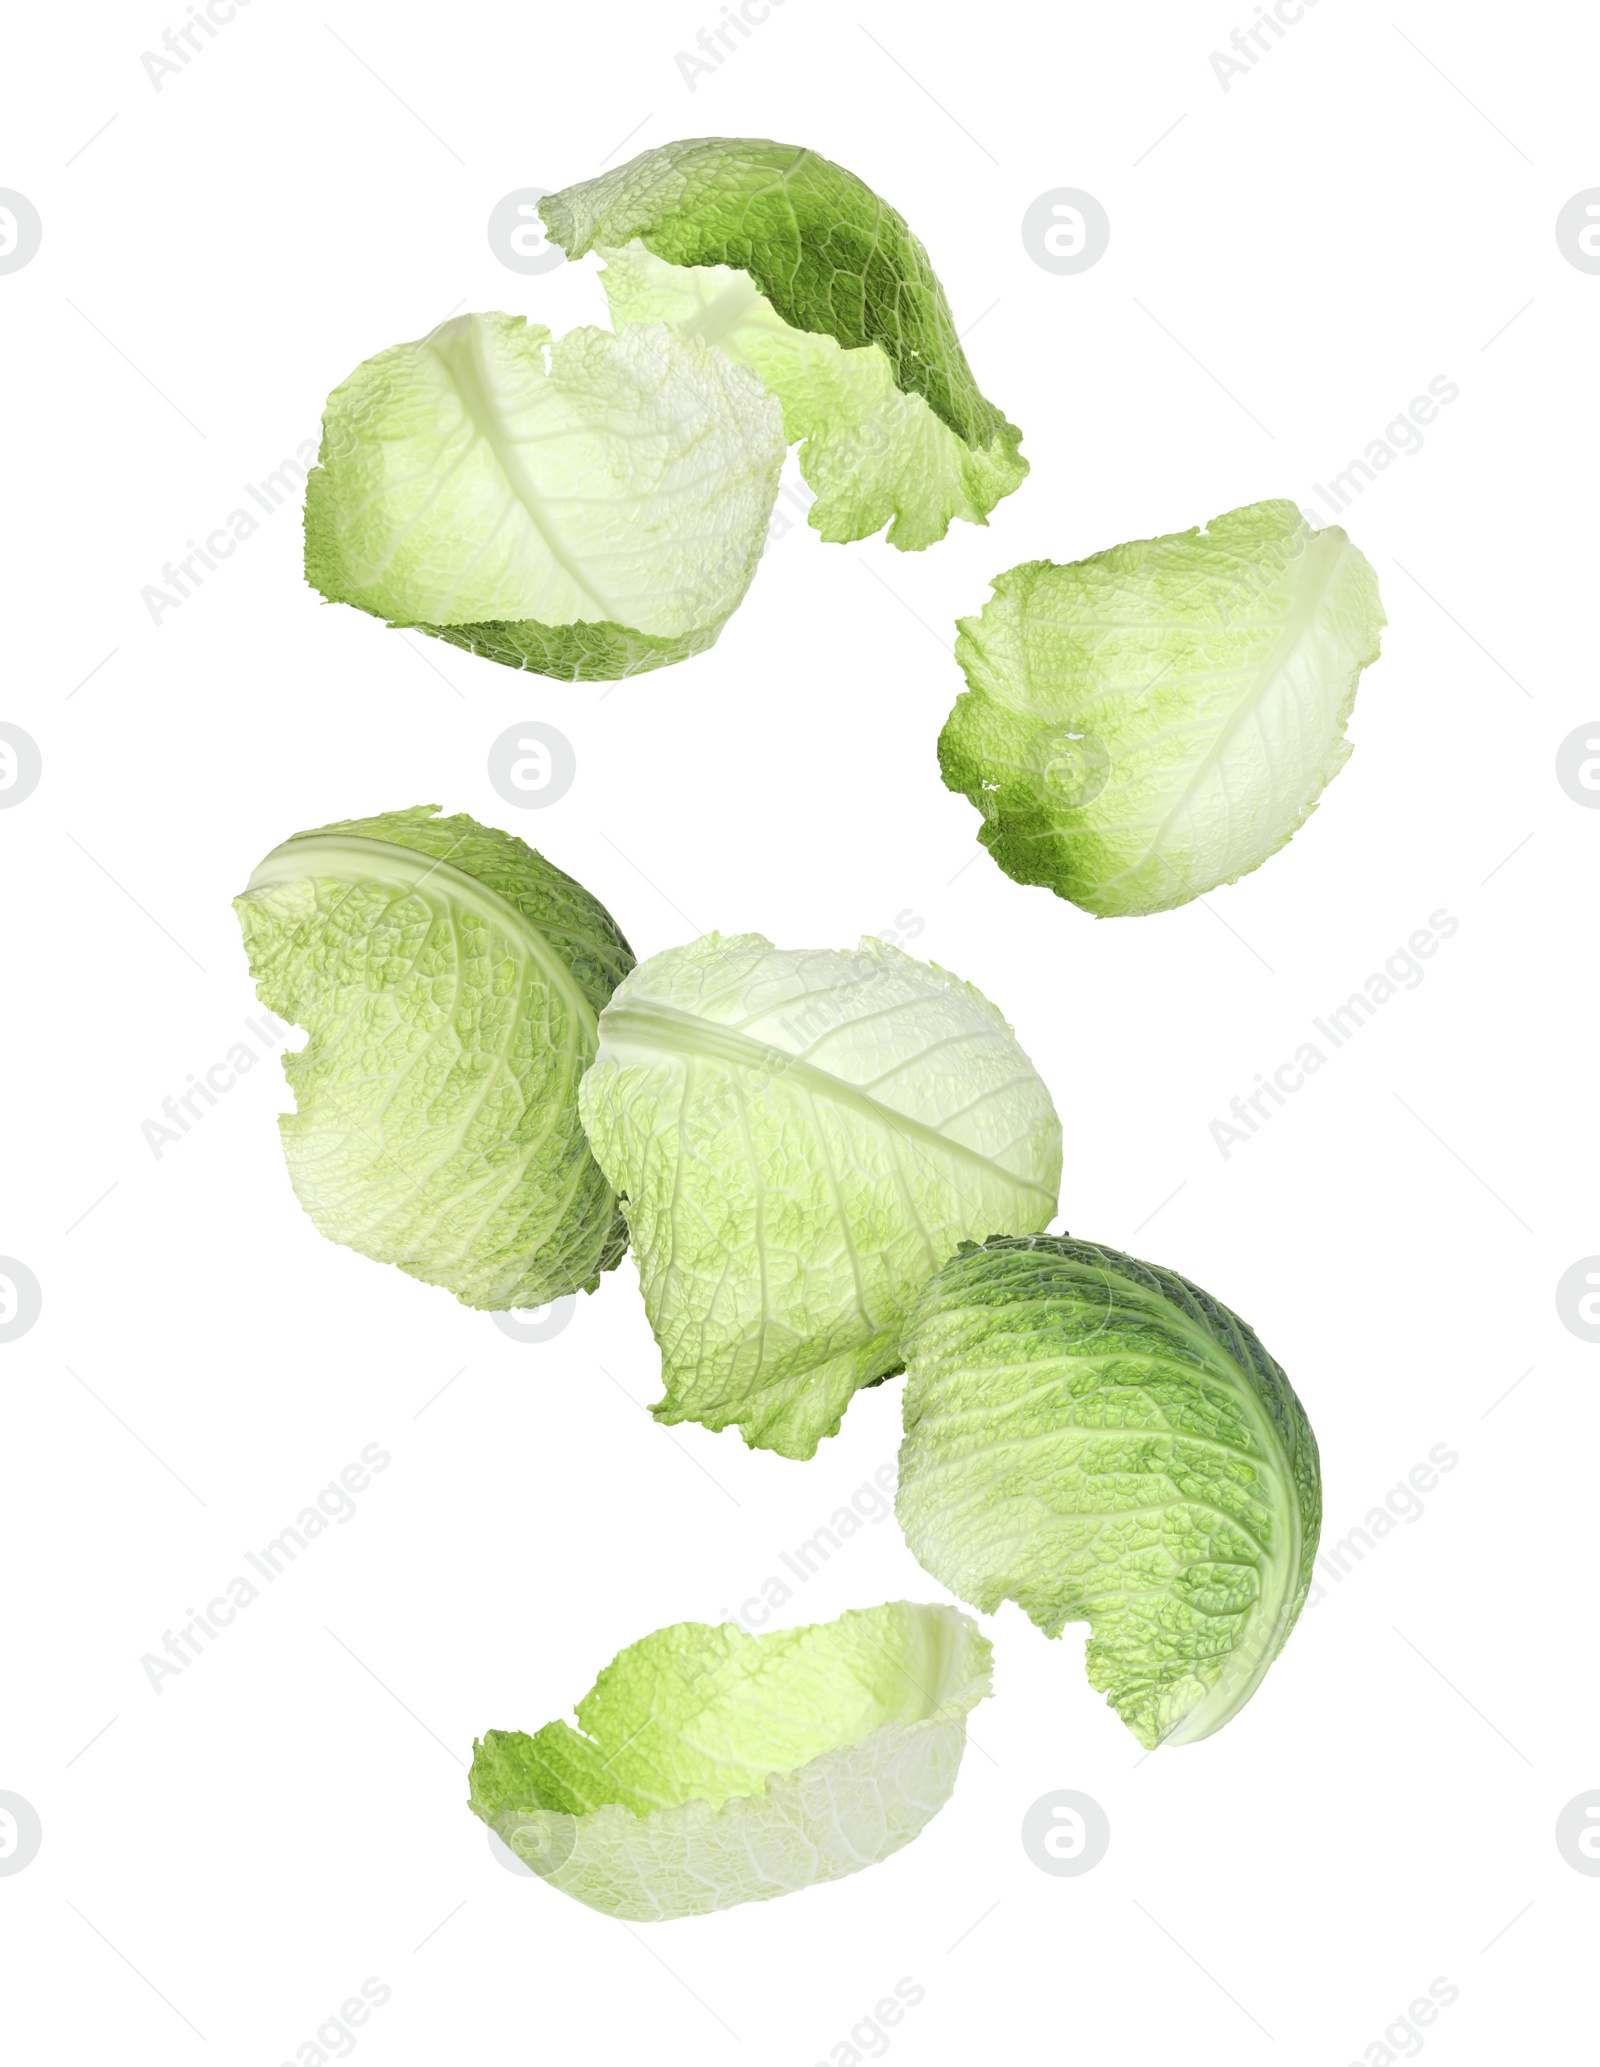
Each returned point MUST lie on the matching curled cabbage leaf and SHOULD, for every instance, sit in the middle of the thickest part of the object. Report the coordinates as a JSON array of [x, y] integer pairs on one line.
[[793, 266], [1100, 1441], [711, 1767], [450, 979], [1158, 719], [587, 507], [800, 1137]]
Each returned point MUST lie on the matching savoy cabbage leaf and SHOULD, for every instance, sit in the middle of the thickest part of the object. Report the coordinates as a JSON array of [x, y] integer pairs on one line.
[[1160, 718], [450, 979], [711, 1767], [587, 507], [1100, 1441], [793, 266], [800, 1138]]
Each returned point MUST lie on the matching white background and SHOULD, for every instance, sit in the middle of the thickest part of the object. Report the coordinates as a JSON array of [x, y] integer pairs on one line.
[[1370, 207]]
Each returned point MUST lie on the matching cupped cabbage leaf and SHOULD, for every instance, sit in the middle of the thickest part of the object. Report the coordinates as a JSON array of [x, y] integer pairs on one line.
[[795, 267], [1143, 725], [1099, 1440], [450, 979], [800, 1138], [710, 1767], [587, 507]]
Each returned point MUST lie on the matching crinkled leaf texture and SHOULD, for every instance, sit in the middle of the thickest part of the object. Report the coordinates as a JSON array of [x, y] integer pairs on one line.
[[587, 508], [800, 1137], [451, 980], [1158, 719], [792, 266], [1099, 1440], [711, 1767]]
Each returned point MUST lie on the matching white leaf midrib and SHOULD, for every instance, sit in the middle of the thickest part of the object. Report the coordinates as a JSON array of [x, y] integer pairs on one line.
[[355, 859], [664, 1028], [468, 375], [1299, 621]]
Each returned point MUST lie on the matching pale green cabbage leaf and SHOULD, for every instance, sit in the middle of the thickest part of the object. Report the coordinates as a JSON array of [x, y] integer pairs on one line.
[[587, 507], [450, 979], [1146, 724], [711, 1767], [793, 266], [1100, 1441], [800, 1138]]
